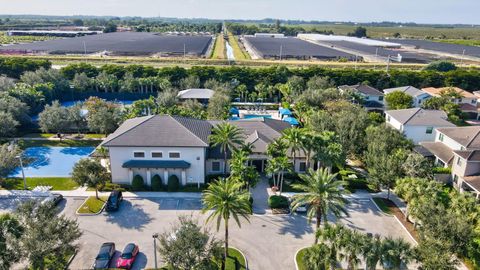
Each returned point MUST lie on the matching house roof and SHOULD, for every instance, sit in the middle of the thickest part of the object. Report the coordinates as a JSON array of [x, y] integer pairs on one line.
[[420, 117], [469, 155], [439, 149], [437, 91], [196, 93], [409, 90], [259, 141], [473, 181], [467, 107], [161, 130], [466, 136], [157, 164], [364, 89]]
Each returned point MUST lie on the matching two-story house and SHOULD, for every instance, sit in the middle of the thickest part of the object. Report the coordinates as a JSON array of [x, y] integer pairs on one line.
[[166, 145], [417, 124], [466, 171], [372, 97], [417, 95], [467, 101]]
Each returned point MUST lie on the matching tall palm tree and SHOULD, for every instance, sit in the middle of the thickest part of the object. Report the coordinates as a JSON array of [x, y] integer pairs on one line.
[[372, 252], [352, 243], [226, 199], [323, 194], [395, 252], [294, 138], [228, 137]]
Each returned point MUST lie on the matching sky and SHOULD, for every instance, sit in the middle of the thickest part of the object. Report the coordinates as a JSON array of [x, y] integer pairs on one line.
[[419, 11]]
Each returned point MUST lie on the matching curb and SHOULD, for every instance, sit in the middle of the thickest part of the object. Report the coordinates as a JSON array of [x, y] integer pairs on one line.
[[411, 237], [71, 258], [378, 207], [245, 257], [295, 256], [92, 214]]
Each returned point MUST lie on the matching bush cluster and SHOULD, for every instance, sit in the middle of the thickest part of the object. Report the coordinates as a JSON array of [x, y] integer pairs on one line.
[[278, 202]]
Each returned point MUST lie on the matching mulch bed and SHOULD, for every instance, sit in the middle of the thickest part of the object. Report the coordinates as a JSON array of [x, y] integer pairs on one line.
[[401, 217], [280, 211]]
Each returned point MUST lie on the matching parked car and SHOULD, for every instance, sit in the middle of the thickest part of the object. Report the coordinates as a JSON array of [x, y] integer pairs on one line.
[[53, 199], [129, 254], [302, 208], [105, 255], [113, 202]]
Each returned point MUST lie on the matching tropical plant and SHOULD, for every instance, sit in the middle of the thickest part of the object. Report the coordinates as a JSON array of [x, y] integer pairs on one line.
[[395, 253], [323, 194], [277, 167], [397, 100], [91, 173], [294, 138], [240, 170], [225, 200], [228, 137], [10, 233]]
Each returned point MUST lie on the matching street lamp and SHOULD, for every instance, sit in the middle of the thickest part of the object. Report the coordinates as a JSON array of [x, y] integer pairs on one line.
[[23, 172], [155, 237]]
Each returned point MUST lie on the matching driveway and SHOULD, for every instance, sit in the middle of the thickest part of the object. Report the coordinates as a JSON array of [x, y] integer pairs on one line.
[[268, 241]]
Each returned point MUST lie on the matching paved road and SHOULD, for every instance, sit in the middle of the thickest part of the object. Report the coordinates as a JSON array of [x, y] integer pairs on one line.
[[268, 241]]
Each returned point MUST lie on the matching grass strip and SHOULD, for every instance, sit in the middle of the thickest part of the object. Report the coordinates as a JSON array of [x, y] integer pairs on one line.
[[63, 143], [57, 183], [92, 205]]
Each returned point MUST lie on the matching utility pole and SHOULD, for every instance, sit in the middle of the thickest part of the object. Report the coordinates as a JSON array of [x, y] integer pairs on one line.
[[281, 49], [23, 172], [461, 59], [376, 59], [155, 236]]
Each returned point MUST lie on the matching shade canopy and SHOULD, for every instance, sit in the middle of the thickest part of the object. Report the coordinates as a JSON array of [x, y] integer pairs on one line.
[[234, 110], [292, 121], [283, 112], [156, 164]]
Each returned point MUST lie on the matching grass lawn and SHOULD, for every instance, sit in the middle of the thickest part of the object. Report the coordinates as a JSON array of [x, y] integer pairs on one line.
[[219, 51], [382, 205], [235, 260], [238, 52], [57, 183], [94, 136], [299, 259], [38, 135], [63, 143], [92, 205]]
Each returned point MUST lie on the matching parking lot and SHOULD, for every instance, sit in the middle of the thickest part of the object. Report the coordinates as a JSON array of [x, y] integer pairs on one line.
[[268, 241]]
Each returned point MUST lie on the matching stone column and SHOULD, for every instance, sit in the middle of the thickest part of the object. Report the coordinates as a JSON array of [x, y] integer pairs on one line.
[[165, 177], [130, 175], [149, 178], [184, 177]]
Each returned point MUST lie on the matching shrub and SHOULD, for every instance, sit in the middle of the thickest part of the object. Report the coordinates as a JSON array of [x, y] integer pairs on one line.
[[137, 183], [173, 183], [111, 186], [213, 177], [442, 170], [157, 183], [278, 201]]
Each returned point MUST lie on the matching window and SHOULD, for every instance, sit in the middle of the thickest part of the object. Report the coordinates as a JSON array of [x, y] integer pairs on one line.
[[174, 154], [215, 166], [138, 154], [455, 179], [157, 154], [367, 97], [380, 98], [459, 161], [474, 101], [429, 130], [440, 137], [303, 166]]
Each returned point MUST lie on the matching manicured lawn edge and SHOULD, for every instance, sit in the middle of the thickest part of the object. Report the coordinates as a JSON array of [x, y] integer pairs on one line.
[[242, 259], [59, 143], [98, 208], [299, 264], [380, 204], [57, 183]]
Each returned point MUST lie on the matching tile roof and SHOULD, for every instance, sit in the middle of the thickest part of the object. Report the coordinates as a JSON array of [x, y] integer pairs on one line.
[[409, 90], [466, 136], [196, 93], [436, 91], [420, 117], [363, 88], [161, 130]]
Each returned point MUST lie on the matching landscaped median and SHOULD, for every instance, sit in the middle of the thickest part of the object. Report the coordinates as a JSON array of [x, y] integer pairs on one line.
[[299, 259], [57, 183], [236, 260], [92, 206]]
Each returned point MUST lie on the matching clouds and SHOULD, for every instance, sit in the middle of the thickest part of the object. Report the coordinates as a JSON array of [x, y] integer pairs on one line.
[[422, 11]]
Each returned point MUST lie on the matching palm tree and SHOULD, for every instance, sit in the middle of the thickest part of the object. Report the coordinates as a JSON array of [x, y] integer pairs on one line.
[[372, 252], [395, 252], [323, 194], [228, 137], [316, 257], [294, 138], [226, 199], [352, 243]]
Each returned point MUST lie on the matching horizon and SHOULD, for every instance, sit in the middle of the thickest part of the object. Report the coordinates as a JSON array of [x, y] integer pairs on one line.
[[410, 11]]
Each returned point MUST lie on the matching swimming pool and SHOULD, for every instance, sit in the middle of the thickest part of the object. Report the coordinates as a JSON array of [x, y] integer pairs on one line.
[[51, 161], [249, 116]]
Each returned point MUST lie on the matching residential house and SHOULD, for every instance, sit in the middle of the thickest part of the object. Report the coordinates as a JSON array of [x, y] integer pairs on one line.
[[417, 124], [171, 145], [201, 95], [372, 97], [417, 95], [466, 171], [467, 102]]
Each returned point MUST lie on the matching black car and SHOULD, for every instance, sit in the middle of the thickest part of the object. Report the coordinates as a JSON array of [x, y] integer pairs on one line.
[[105, 255], [113, 202], [53, 199]]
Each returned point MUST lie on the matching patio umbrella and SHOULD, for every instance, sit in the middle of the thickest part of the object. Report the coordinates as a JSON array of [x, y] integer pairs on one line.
[[234, 111], [285, 112], [292, 121]]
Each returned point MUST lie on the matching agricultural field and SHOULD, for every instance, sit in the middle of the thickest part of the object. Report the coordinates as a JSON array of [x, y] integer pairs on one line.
[[120, 43], [4, 39], [219, 51], [440, 47], [238, 51]]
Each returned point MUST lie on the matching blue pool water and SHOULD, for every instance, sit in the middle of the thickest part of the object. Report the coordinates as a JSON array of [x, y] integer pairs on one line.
[[51, 161], [249, 116]]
